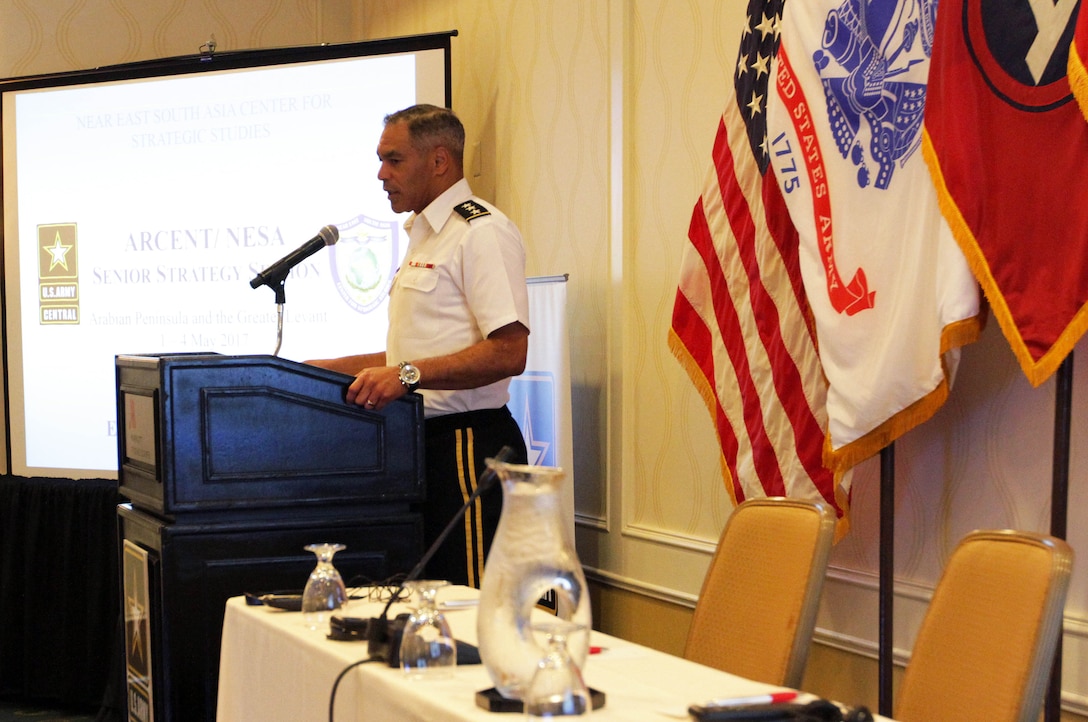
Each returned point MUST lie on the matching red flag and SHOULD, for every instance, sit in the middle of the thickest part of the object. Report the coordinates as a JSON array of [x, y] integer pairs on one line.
[[741, 325], [1078, 55], [1006, 145]]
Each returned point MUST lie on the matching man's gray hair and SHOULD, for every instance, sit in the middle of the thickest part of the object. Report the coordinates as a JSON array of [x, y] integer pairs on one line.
[[430, 126]]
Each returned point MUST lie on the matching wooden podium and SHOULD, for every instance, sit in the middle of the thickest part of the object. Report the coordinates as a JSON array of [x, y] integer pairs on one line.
[[233, 464]]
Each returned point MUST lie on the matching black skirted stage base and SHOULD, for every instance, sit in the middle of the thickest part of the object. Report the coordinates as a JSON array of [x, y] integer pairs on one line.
[[59, 590]]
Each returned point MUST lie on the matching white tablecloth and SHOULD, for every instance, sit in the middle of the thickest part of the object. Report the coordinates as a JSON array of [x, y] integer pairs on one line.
[[274, 667]]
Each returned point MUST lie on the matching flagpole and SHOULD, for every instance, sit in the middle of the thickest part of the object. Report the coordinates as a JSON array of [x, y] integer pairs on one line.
[[1059, 502], [885, 644]]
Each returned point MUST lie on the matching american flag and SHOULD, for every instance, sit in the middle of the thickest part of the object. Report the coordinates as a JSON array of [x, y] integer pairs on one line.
[[741, 324]]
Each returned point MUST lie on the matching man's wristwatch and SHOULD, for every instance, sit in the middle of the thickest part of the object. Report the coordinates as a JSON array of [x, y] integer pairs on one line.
[[409, 376]]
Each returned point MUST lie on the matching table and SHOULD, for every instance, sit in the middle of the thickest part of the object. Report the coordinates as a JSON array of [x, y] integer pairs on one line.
[[274, 667]]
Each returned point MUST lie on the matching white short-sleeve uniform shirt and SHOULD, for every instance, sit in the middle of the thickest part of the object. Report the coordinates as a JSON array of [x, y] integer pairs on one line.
[[461, 278]]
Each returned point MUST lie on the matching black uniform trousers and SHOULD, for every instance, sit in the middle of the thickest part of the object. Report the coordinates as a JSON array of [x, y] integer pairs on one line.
[[456, 447]]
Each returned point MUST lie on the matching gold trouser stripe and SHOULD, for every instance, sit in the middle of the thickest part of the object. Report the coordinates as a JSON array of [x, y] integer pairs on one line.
[[474, 528]]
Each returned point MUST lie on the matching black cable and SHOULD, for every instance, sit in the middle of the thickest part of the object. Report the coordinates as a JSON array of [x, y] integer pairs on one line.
[[377, 632], [488, 478], [353, 665]]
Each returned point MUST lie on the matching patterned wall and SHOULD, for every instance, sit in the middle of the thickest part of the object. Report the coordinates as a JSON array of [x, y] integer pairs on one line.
[[51, 36], [531, 82], [591, 123]]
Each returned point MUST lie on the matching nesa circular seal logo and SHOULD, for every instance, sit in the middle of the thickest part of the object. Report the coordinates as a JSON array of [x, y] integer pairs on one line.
[[364, 261]]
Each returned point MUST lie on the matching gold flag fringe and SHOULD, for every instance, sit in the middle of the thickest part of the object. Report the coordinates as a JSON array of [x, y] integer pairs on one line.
[[1078, 78], [955, 335], [1036, 371], [707, 392]]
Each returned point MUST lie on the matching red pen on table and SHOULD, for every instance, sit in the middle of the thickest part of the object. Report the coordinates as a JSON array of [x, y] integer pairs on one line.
[[772, 698], [597, 650]]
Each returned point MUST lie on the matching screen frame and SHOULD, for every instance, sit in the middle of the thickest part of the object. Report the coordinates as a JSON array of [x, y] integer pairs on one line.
[[204, 62]]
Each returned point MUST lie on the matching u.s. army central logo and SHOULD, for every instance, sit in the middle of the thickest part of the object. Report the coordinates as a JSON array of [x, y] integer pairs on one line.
[[139, 673], [364, 261], [58, 274]]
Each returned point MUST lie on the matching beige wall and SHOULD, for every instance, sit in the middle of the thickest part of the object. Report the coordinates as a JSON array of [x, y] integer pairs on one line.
[[52, 36], [590, 123]]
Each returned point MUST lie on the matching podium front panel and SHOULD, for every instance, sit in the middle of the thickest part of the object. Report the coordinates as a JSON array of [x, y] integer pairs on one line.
[[206, 432]]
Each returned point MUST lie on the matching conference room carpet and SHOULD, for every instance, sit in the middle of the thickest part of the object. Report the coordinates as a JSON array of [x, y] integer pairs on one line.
[[26, 712]]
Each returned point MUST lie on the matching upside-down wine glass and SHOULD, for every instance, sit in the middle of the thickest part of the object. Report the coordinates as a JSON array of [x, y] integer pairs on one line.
[[324, 592], [557, 688], [427, 647]]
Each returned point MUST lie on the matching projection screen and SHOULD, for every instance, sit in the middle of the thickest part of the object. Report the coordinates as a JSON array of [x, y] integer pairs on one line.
[[140, 200]]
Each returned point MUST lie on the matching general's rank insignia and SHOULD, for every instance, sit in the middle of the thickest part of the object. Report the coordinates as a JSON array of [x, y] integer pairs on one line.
[[470, 210]]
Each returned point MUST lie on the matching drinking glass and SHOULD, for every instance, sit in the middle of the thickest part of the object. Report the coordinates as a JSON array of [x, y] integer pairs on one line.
[[557, 688], [324, 592], [427, 647]]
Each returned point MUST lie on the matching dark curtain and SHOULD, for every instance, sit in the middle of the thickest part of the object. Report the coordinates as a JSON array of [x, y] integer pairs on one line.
[[59, 589]]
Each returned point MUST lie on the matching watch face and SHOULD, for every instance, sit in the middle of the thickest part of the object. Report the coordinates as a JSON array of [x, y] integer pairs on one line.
[[409, 374]]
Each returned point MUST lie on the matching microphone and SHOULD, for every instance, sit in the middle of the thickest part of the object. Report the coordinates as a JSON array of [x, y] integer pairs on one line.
[[377, 631], [278, 271]]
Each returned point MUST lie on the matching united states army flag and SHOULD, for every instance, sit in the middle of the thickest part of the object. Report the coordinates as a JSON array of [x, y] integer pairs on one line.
[[891, 293]]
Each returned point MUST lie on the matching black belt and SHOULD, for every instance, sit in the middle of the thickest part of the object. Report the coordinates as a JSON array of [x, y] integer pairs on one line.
[[463, 419]]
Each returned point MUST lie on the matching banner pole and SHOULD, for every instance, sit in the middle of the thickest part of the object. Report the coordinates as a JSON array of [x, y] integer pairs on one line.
[[1059, 504], [886, 645]]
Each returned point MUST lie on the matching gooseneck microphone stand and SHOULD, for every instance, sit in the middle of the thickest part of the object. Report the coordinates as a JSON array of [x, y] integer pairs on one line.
[[281, 298], [276, 283], [275, 275], [377, 631], [377, 628]]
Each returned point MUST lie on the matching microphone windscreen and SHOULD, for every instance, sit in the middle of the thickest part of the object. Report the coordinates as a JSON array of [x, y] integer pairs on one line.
[[329, 234]]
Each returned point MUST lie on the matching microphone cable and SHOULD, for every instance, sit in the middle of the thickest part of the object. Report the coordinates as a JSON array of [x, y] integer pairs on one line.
[[340, 677]]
